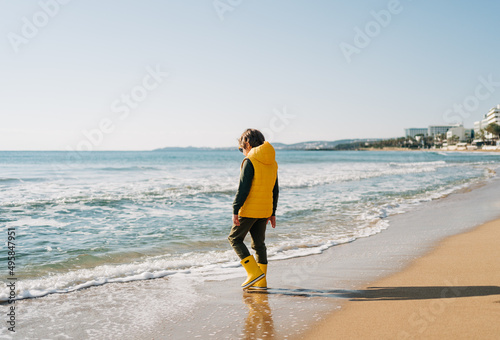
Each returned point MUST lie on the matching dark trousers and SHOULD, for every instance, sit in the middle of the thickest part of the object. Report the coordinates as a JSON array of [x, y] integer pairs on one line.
[[257, 229]]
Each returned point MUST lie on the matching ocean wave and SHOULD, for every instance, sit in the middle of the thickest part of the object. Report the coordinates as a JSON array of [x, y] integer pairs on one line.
[[7, 180], [297, 181], [115, 199], [127, 168], [166, 265], [175, 189], [419, 164]]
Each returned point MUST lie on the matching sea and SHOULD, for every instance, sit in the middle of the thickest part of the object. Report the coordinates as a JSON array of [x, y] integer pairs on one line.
[[85, 219]]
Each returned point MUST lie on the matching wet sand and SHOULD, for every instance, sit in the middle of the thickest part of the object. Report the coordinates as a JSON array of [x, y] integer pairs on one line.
[[451, 293]]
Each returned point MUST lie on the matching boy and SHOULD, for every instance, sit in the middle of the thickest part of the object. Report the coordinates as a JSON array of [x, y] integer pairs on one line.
[[254, 205]]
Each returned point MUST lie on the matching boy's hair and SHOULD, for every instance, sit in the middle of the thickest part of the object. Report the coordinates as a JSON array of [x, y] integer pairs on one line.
[[253, 137]]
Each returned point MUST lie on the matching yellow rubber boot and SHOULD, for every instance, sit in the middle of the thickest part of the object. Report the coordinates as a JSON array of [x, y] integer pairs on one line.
[[261, 284], [253, 271]]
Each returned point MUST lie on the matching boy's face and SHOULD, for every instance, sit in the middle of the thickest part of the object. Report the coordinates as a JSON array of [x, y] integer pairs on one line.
[[245, 148]]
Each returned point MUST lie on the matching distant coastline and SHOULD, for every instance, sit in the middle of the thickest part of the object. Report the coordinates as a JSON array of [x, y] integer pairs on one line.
[[371, 144], [310, 145], [423, 150]]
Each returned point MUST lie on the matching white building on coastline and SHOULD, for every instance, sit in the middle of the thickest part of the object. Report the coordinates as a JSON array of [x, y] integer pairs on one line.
[[493, 116], [462, 133], [448, 130], [480, 124], [438, 129], [412, 132], [432, 130]]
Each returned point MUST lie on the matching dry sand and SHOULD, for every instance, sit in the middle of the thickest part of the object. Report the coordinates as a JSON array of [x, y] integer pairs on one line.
[[451, 293]]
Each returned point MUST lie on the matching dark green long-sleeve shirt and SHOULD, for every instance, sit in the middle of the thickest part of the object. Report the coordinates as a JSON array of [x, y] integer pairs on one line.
[[246, 177]]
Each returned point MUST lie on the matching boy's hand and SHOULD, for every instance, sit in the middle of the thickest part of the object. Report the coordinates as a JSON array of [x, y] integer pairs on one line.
[[236, 221], [273, 221]]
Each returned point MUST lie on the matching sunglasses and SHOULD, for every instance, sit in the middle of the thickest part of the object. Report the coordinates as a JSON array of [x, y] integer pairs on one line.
[[241, 149]]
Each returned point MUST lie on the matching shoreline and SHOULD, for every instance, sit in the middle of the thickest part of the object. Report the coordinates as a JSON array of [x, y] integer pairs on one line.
[[451, 291]]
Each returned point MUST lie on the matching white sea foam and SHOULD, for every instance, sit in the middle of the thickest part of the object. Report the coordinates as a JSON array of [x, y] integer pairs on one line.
[[32, 222], [194, 263], [299, 177]]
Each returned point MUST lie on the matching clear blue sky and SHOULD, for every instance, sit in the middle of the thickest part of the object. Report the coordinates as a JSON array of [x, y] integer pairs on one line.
[[68, 68]]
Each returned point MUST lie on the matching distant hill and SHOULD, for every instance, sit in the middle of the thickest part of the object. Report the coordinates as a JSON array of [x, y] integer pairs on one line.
[[187, 148], [312, 145], [319, 145]]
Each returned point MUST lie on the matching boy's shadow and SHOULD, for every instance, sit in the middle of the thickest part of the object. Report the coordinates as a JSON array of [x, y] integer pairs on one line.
[[390, 293]]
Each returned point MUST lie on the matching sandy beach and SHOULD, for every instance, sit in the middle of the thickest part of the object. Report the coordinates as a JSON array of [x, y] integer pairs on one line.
[[451, 293]]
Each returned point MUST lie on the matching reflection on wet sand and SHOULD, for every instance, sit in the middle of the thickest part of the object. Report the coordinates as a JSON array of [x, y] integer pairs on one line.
[[259, 323]]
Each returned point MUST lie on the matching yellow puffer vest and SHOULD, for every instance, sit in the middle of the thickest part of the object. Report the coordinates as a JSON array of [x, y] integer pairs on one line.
[[259, 202]]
